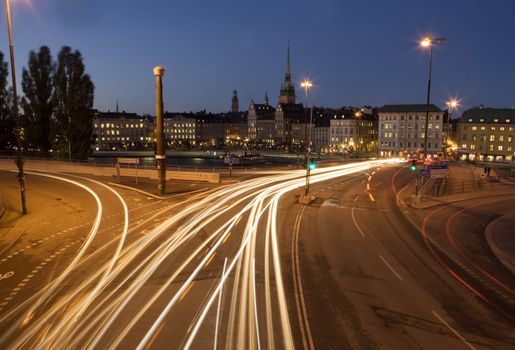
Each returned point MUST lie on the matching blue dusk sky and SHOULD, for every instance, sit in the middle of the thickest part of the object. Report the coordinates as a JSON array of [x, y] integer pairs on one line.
[[356, 52]]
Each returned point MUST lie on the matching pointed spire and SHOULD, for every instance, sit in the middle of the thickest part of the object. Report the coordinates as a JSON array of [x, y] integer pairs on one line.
[[287, 89], [117, 109], [288, 72], [266, 98]]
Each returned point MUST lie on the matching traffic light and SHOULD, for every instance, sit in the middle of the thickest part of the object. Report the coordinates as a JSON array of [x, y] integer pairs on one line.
[[413, 166], [311, 164]]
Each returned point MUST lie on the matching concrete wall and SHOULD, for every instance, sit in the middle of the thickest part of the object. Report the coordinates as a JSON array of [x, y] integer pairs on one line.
[[109, 171]]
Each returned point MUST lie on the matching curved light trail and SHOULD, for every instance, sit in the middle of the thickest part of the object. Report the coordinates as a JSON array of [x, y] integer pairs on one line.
[[89, 311]]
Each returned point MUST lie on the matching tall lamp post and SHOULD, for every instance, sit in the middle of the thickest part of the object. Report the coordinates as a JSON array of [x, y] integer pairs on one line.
[[307, 85], [19, 157], [159, 72], [452, 105], [429, 41]]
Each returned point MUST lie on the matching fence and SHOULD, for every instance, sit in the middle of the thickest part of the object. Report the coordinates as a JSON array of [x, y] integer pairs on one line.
[[447, 188], [109, 170]]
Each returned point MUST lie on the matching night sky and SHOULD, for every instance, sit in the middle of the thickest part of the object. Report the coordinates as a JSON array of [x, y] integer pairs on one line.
[[357, 52]]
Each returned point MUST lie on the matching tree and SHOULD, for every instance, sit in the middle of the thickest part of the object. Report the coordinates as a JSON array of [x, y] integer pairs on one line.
[[38, 102], [74, 95], [7, 122]]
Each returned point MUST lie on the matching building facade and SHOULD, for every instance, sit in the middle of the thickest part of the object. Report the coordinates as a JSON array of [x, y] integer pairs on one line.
[[261, 124], [487, 134], [180, 130], [122, 132], [402, 129], [352, 130]]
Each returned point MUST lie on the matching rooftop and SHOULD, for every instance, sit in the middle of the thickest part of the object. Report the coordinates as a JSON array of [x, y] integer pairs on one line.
[[489, 115], [408, 108]]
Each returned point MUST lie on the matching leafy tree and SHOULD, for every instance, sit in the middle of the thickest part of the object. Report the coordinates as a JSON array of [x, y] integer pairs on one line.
[[7, 122], [38, 102], [74, 94]]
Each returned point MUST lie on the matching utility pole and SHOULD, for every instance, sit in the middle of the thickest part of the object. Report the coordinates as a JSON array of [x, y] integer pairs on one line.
[[159, 72], [19, 157]]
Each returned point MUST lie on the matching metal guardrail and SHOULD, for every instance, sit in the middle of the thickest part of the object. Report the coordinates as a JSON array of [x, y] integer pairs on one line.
[[468, 186]]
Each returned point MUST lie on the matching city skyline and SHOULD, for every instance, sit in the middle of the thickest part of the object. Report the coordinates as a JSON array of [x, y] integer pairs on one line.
[[369, 54]]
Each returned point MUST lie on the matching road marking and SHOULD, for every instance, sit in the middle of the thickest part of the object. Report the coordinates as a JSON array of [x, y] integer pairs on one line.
[[371, 197], [454, 331], [218, 309], [154, 336], [186, 291], [210, 259], [368, 186], [356, 199], [390, 267], [356, 223], [305, 329], [6, 275]]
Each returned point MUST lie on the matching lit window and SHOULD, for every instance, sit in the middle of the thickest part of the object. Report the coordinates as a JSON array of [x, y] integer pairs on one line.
[[499, 148], [492, 137], [474, 128]]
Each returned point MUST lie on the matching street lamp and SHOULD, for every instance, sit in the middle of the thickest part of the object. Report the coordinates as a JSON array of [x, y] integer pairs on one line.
[[428, 42], [19, 157], [307, 85], [452, 104], [159, 72]]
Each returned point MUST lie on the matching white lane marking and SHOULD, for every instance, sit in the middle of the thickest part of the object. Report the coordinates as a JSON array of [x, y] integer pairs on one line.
[[218, 310], [391, 268], [454, 331], [356, 199], [255, 302], [356, 223], [305, 328]]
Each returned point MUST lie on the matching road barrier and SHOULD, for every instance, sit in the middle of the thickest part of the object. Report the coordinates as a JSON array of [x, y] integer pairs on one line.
[[109, 170]]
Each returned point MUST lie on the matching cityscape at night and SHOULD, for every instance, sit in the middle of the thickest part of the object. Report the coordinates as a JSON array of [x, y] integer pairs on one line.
[[257, 175]]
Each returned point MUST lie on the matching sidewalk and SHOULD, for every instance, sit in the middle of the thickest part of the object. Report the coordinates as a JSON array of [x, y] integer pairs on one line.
[[499, 234]]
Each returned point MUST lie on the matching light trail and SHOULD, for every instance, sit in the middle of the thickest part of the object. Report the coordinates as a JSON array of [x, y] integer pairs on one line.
[[122, 278]]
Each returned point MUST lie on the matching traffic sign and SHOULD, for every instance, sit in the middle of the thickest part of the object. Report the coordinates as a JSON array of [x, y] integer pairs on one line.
[[439, 173], [425, 172]]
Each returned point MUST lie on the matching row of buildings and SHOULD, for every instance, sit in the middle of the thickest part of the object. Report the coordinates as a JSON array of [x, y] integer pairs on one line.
[[392, 130]]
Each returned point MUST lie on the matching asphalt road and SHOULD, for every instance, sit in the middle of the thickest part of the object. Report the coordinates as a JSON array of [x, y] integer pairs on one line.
[[243, 266], [372, 279]]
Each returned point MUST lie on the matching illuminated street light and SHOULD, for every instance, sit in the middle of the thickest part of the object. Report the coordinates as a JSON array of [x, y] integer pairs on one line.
[[19, 157], [307, 85], [429, 41], [452, 105]]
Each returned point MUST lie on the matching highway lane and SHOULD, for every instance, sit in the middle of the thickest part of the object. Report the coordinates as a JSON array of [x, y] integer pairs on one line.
[[155, 288], [245, 267], [370, 281]]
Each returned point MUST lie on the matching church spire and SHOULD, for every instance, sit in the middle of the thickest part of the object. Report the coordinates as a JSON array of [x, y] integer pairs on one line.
[[288, 71], [287, 89]]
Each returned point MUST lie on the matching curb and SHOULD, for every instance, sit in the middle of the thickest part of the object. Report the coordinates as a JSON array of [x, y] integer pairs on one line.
[[498, 252], [446, 202], [153, 195], [2, 208]]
